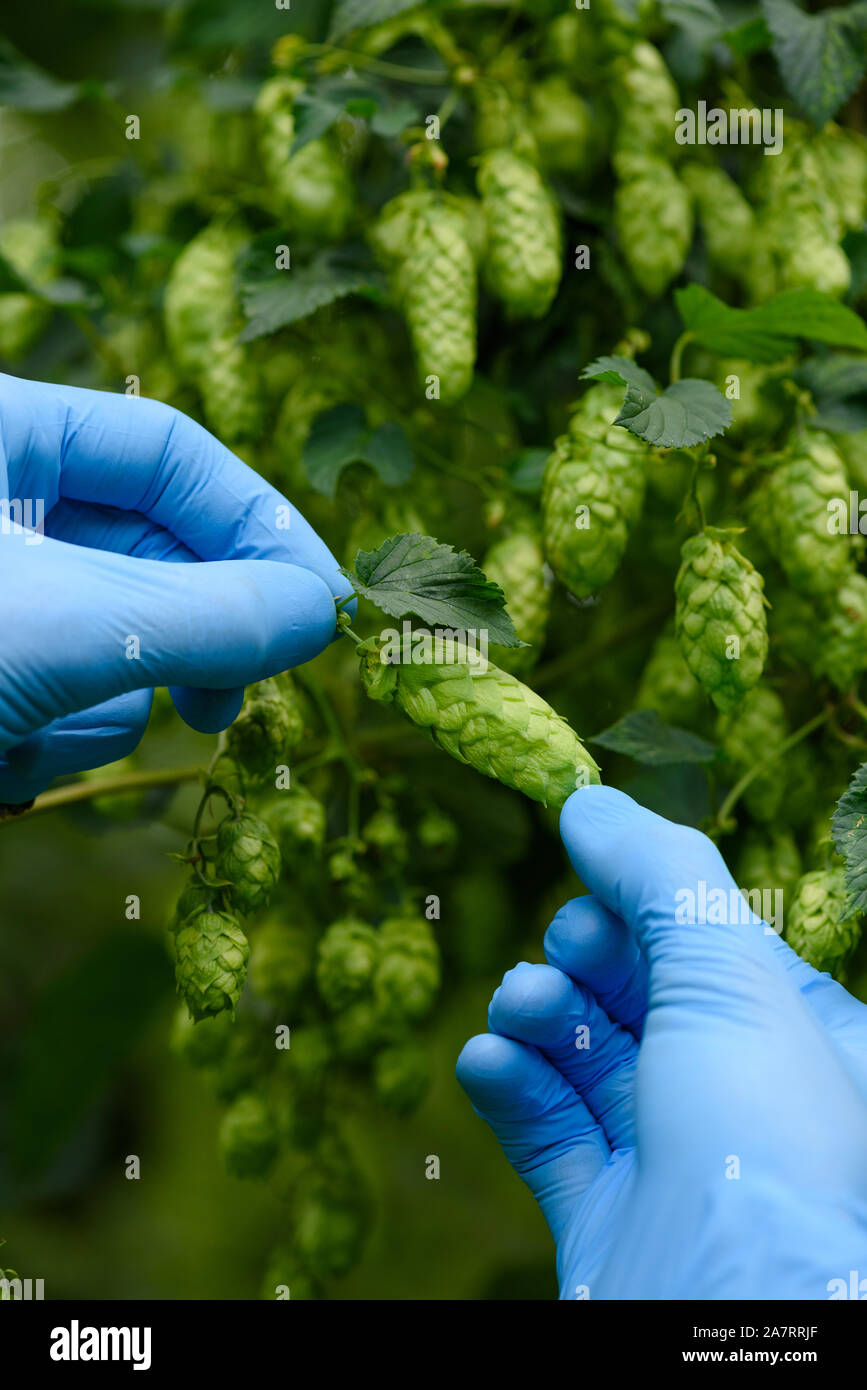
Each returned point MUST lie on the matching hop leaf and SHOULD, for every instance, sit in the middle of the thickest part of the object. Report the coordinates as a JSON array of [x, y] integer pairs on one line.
[[211, 967]]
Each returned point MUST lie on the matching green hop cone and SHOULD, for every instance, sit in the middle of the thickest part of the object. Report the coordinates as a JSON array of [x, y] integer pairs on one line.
[[202, 320], [266, 731], [286, 1278], [227, 774], [668, 686], [815, 557], [248, 1137], [752, 732], [200, 1044], [346, 961], [437, 832], [249, 1052], [211, 966], [842, 159], [384, 832], [408, 973], [330, 1233], [437, 289], [769, 860], [720, 617], [517, 564], [30, 248], [653, 221], [312, 188], [402, 1075], [524, 260], [592, 494], [486, 718], [281, 961], [727, 220], [562, 126], [297, 820], [249, 857], [195, 897], [647, 101], [816, 926], [842, 639], [358, 1030]]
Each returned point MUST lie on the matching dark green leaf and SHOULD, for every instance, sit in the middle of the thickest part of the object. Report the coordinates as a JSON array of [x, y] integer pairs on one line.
[[362, 14], [412, 574], [289, 295], [836, 382], [27, 88], [820, 56], [388, 452], [527, 470], [622, 371], [768, 333], [337, 438], [849, 832], [748, 38], [686, 413], [643, 736]]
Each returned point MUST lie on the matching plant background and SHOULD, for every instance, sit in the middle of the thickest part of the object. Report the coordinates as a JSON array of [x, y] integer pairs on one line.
[[86, 998]]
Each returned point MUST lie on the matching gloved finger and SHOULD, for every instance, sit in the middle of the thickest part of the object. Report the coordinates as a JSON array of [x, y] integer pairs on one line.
[[546, 1132], [540, 1005], [108, 528], [114, 624], [15, 790], [669, 883], [143, 456], [130, 533], [90, 738], [842, 1015], [596, 948]]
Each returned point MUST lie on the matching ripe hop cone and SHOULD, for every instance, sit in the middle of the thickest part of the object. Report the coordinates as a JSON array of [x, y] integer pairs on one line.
[[30, 247], [815, 557], [248, 1137], [211, 966], [346, 960], [592, 494], [408, 972], [841, 653], [814, 927], [269, 727], [752, 732], [524, 260], [668, 686], [249, 857], [484, 717], [647, 101], [720, 617], [653, 220], [200, 305], [769, 859], [517, 564], [437, 287], [312, 188], [297, 820]]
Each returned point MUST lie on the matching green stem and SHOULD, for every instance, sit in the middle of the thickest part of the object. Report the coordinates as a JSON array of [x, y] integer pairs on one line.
[[677, 355], [740, 787], [858, 706], [397, 71], [104, 786]]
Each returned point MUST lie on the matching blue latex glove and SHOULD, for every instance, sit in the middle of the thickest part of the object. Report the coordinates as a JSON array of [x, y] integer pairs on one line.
[[713, 1050], [128, 484]]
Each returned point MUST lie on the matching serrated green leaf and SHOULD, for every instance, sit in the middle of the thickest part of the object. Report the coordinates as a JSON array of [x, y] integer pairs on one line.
[[687, 413], [418, 575], [340, 436], [820, 56], [290, 295], [337, 438], [26, 87], [621, 371], [849, 832], [768, 333], [642, 735], [753, 36], [362, 14], [835, 382]]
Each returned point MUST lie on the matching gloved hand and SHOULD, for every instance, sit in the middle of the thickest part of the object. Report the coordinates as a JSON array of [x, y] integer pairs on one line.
[[93, 616], [710, 1140]]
